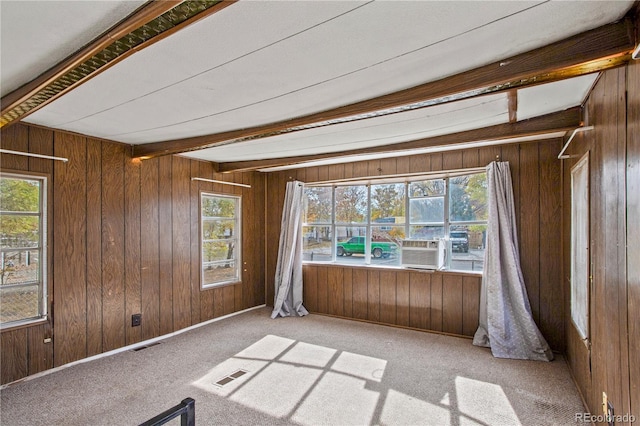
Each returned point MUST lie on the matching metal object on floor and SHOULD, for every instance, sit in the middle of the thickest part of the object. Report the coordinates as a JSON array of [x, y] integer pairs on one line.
[[186, 410]]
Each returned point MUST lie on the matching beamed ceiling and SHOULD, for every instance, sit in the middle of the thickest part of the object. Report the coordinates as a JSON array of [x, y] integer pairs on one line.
[[266, 85]]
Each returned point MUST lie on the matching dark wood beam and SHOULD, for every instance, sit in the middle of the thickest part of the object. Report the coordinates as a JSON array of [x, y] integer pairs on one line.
[[35, 95], [595, 50], [556, 122]]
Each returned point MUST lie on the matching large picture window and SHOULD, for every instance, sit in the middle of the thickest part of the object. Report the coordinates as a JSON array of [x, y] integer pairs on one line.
[[365, 223], [220, 239], [23, 290]]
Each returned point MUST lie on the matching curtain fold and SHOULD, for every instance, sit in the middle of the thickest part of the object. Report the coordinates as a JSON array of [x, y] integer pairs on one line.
[[288, 280], [505, 323]]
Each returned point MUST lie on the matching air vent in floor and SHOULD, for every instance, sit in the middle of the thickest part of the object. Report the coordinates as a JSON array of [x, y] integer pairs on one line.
[[230, 378]]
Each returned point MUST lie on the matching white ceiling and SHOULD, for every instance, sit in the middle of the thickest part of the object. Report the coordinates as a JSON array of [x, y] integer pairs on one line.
[[259, 62], [36, 35]]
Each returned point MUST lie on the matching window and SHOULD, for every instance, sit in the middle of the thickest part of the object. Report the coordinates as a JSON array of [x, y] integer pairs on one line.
[[23, 291], [220, 227], [365, 223], [580, 246]]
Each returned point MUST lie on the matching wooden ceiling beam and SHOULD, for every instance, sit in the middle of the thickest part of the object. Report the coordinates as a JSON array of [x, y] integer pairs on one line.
[[602, 48], [101, 55], [556, 122], [512, 96]]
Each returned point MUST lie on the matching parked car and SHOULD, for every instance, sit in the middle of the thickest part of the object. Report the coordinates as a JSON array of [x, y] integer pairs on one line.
[[355, 245], [459, 241]]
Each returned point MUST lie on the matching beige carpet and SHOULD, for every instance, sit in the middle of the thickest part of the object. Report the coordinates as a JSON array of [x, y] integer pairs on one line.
[[316, 370]]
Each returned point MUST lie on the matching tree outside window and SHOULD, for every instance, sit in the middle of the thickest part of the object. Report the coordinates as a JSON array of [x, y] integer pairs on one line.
[[22, 249], [220, 238]]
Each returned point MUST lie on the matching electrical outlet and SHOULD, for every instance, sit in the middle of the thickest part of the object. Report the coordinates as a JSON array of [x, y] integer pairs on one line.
[[136, 320]]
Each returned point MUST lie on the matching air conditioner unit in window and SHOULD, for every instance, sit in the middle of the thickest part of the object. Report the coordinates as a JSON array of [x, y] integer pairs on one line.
[[426, 254]]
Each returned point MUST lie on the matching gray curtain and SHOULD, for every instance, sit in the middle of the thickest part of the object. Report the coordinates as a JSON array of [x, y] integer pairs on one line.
[[506, 324], [288, 297]]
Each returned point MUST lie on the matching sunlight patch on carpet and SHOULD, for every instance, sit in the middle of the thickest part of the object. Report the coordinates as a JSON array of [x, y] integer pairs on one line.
[[400, 408], [482, 403], [299, 381]]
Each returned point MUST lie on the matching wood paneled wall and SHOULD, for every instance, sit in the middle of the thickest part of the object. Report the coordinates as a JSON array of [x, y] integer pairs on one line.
[[124, 239], [612, 363], [441, 302]]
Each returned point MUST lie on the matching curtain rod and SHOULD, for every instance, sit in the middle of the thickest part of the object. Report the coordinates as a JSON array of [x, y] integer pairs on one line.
[[28, 154], [566, 145], [222, 182]]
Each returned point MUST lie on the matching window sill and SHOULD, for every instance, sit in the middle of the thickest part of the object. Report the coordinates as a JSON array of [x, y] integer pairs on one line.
[[23, 324], [224, 284], [395, 268]]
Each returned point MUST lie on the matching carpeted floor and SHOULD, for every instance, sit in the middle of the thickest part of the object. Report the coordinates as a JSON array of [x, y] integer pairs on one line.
[[316, 370]]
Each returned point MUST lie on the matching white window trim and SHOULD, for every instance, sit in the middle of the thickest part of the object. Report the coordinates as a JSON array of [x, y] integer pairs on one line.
[[44, 261], [580, 262], [406, 180], [238, 246]]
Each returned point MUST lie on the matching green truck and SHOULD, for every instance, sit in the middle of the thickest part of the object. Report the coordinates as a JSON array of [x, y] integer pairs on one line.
[[355, 245]]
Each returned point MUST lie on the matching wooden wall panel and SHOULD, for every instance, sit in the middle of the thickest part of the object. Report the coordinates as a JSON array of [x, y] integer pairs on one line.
[[403, 298], [452, 304], [322, 292], [347, 280], [251, 234], [373, 295], [150, 248], [335, 287], [551, 318], [94, 248], [633, 232], [419, 163], [13, 345], [420, 300], [123, 239], [530, 224], [194, 229], [165, 226], [388, 297], [218, 302], [436, 303], [609, 363], [113, 298], [181, 228], [15, 138], [310, 294], [69, 257], [470, 304], [229, 299], [40, 353], [360, 292], [133, 302]]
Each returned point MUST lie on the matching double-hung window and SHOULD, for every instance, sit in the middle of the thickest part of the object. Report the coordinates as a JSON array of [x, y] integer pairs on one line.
[[365, 223], [23, 290], [220, 239]]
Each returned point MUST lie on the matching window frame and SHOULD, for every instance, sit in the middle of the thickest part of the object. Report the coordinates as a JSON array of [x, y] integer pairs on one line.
[[43, 261], [237, 249], [580, 268], [447, 222]]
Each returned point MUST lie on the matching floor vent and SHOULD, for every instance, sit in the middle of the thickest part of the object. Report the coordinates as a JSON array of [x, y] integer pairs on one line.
[[145, 346], [230, 378]]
